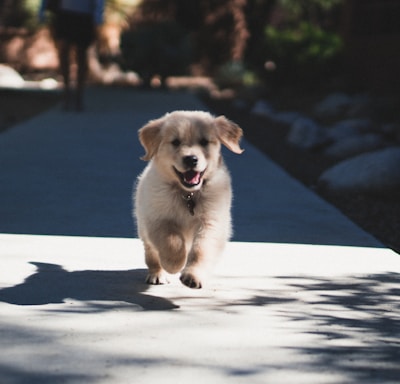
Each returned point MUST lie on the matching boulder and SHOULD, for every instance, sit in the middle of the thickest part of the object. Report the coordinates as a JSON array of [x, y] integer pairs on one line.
[[350, 127], [262, 108], [339, 132], [392, 130], [286, 118], [375, 173], [306, 134], [333, 105], [355, 145], [361, 106]]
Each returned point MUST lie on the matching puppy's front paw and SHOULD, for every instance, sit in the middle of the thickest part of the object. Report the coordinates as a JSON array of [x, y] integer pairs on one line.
[[190, 280], [158, 278]]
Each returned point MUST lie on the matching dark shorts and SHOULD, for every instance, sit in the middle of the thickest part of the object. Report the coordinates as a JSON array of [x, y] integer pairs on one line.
[[75, 28]]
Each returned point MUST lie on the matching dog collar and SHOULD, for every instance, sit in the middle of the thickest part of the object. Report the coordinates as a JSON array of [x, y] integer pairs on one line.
[[190, 203]]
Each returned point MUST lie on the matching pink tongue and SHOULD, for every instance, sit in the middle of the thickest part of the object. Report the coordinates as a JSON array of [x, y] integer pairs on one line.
[[192, 177]]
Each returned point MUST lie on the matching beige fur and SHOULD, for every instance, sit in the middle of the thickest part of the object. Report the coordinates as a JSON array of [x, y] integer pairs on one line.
[[185, 165]]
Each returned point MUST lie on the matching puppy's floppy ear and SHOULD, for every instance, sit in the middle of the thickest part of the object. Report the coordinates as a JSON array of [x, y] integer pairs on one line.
[[229, 134], [150, 138]]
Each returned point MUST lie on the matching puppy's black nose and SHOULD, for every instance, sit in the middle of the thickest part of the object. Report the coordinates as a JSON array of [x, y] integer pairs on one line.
[[190, 161]]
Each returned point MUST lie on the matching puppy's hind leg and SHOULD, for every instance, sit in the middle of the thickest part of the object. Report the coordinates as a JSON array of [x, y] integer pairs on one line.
[[156, 274]]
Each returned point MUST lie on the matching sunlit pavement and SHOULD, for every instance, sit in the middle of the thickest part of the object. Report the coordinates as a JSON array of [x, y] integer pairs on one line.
[[302, 295]]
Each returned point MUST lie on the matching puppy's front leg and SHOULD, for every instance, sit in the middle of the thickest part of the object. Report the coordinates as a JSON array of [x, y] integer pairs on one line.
[[202, 257], [156, 273], [171, 247]]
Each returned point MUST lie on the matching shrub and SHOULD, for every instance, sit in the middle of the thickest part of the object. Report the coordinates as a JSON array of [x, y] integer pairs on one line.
[[302, 54]]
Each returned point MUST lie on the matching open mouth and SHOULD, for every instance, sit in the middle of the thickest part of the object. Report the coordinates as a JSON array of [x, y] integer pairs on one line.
[[190, 178]]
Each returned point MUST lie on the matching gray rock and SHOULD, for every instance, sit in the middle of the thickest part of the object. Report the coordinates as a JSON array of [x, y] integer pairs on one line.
[[361, 106], [333, 105], [339, 132], [392, 130], [240, 104], [262, 108], [375, 173], [287, 118], [306, 134], [355, 145], [350, 127], [9, 78]]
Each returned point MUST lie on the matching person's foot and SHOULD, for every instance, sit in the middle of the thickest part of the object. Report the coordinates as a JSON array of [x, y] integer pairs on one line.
[[67, 100], [79, 105]]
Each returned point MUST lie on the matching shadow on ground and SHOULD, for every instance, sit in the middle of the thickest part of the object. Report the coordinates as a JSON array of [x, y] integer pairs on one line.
[[344, 326], [353, 321], [51, 284]]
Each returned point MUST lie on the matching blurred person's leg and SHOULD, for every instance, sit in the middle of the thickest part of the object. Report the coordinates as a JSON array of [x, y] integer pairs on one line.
[[64, 50], [82, 62]]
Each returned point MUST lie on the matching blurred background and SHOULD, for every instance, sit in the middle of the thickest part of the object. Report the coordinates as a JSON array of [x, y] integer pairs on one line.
[[263, 43]]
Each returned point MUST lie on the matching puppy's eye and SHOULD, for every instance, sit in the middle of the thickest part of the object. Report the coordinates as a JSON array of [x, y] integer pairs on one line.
[[204, 142], [176, 142]]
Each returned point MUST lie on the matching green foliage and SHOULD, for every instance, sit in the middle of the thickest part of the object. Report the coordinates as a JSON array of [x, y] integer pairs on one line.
[[294, 40], [306, 45], [306, 53], [295, 6], [31, 8], [296, 10], [19, 13]]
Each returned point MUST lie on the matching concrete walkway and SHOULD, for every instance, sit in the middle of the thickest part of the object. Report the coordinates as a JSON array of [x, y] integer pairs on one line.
[[302, 295]]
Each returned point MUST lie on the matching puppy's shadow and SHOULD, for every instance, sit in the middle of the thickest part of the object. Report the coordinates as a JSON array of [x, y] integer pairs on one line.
[[102, 290]]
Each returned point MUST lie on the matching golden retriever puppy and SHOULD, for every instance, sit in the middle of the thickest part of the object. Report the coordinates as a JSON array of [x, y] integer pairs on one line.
[[183, 197]]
